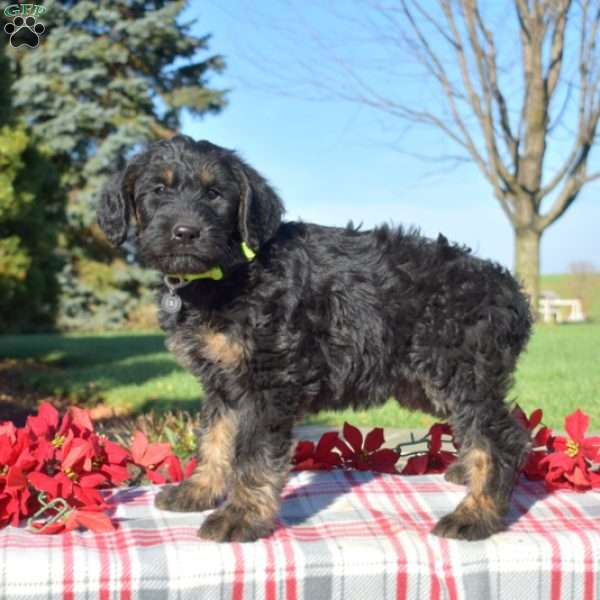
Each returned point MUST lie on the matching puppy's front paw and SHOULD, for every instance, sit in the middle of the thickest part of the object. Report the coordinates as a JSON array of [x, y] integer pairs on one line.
[[185, 497], [230, 524]]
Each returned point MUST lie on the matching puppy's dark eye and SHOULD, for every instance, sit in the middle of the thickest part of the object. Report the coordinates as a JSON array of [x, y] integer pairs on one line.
[[160, 188], [213, 193]]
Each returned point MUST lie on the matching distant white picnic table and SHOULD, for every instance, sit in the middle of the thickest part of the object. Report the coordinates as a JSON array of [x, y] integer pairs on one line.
[[551, 310]]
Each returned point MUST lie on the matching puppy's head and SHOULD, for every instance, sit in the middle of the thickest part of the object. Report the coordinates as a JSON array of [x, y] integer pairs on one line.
[[193, 203]]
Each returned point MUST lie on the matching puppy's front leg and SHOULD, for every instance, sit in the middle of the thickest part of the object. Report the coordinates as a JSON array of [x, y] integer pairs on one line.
[[212, 476], [260, 468]]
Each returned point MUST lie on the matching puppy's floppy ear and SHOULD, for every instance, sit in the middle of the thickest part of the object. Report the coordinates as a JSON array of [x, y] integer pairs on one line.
[[117, 202], [260, 209], [114, 211]]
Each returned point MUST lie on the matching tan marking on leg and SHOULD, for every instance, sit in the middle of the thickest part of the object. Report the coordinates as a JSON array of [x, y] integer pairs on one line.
[[478, 515], [221, 348], [478, 465], [488, 505], [253, 505], [216, 453], [209, 482], [478, 507]]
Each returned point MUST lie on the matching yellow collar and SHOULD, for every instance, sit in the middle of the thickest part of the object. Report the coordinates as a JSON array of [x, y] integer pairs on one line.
[[216, 273]]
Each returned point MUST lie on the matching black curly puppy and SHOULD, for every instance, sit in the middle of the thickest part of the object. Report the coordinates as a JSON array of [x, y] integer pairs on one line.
[[281, 319]]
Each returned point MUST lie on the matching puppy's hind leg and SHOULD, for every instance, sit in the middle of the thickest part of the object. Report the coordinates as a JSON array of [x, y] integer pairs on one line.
[[493, 451]]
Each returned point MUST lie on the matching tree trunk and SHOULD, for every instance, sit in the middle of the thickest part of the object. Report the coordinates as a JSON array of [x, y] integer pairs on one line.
[[527, 263]]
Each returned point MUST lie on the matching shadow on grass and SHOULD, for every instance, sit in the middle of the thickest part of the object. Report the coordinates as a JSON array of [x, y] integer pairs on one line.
[[13, 411], [163, 405], [102, 376], [83, 368], [80, 350]]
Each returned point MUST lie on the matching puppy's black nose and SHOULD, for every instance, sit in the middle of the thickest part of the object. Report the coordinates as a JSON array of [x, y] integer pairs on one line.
[[185, 233]]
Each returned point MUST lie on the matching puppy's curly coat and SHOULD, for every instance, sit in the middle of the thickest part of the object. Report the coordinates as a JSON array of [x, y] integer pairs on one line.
[[322, 317]]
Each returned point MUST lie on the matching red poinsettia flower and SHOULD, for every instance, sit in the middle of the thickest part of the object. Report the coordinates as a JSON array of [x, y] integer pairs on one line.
[[543, 435], [92, 518], [534, 467], [45, 423], [309, 456], [14, 506], [8, 429], [528, 423], [77, 490], [435, 460], [79, 420], [149, 457], [65, 458], [175, 471], [569, 465], [72, 462], [541, 440], [16, 460], [111, 460], [15, 451], [16, 496], [49, 434], [368, 456], [5, 516]]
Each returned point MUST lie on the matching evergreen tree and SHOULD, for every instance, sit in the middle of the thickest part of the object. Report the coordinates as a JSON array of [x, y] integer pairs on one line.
[[106, 78], [31, 213]]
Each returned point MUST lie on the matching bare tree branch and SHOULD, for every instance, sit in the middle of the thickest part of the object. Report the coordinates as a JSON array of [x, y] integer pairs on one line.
[[503, 114], [589, 105], [482, 60], [592, 177], [511, 141], [567, 196], [556, 51], [438, 71]]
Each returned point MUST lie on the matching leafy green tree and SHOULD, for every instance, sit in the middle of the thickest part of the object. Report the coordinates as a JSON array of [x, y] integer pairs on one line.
[[106, 78], [31, 213]]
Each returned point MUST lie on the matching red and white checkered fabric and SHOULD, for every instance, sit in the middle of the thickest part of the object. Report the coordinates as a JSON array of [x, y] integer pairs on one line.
[[346, 535]]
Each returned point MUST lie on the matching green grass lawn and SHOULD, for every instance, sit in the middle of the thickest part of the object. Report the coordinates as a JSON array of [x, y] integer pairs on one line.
[[559, 372], [126, 369]]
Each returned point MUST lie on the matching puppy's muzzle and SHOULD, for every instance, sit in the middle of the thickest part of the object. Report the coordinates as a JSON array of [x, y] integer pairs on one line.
[[185, 234]]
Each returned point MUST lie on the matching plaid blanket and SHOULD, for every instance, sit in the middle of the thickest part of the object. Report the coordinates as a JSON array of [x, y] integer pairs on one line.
[[341, 535]]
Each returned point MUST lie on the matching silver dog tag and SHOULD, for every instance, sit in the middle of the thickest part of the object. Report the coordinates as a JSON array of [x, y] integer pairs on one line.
[[171, 303]]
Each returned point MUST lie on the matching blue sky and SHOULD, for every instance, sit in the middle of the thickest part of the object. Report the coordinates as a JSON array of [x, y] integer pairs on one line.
[[331, 163]]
